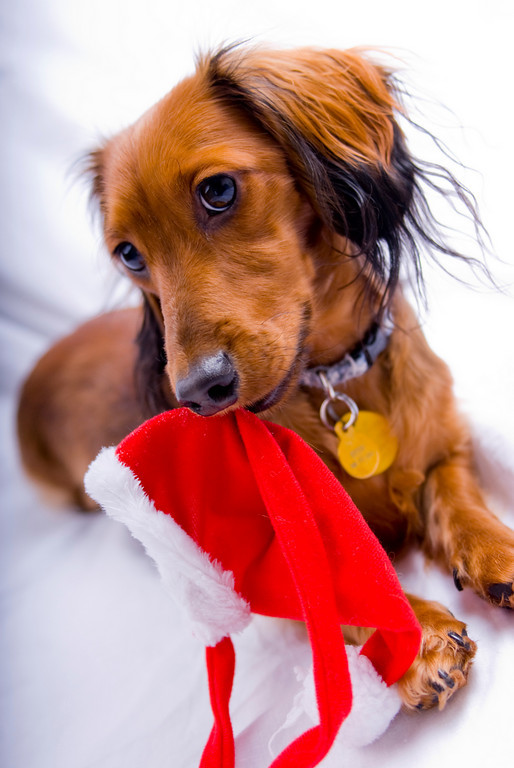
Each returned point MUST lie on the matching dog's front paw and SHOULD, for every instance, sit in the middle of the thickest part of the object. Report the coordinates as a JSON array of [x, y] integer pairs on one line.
[[443, 662], [487, 566]]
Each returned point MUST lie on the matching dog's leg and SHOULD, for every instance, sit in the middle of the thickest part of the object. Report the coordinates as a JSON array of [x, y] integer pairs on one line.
[[464, 536], [443, 661]]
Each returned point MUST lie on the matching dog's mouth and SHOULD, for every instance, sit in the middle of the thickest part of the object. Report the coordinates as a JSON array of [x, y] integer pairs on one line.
[[224, 396], [276, 394]]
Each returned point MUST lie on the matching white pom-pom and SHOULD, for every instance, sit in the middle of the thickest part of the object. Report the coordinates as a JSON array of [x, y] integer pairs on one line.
[[374, 704]]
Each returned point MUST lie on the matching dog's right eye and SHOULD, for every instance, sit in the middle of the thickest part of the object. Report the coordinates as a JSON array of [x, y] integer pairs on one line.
[[130, 257]]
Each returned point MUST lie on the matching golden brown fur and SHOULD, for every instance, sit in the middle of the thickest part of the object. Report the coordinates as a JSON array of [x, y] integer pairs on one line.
[[291, 274]]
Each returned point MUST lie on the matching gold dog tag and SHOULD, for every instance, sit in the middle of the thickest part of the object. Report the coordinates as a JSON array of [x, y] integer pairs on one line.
[[368, 447]]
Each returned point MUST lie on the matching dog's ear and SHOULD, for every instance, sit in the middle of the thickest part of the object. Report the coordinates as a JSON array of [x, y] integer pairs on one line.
[[151, 383], [335, 115]]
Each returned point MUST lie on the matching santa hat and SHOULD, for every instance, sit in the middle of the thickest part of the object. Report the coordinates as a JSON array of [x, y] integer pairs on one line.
[[241, 516]]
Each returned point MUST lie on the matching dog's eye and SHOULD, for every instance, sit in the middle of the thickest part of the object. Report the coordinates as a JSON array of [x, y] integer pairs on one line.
[[130, 257], [217, 193]]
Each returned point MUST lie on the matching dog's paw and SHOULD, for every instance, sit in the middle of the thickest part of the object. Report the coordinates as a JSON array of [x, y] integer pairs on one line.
[[443, 662], [487, 566]]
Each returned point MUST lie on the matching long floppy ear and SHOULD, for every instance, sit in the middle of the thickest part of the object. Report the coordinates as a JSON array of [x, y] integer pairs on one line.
[[151, 383], [334, 113]]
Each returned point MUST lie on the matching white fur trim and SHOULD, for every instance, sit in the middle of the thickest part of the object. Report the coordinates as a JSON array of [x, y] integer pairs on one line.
[[374, 705], [199, 584]]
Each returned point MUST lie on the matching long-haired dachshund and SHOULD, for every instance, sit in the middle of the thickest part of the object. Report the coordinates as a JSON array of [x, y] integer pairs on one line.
[[264, 208]]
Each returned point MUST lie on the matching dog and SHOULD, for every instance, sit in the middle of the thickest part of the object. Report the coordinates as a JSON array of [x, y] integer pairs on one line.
[[265, 208]]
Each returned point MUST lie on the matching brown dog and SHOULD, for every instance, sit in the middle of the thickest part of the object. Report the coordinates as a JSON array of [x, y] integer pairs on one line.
[[264, 208]]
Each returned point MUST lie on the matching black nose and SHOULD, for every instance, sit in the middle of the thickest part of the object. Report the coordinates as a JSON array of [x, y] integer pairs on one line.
[[210, 386]]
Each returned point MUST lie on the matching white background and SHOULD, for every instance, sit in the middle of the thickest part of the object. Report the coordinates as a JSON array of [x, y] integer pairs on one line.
[[96, 669]]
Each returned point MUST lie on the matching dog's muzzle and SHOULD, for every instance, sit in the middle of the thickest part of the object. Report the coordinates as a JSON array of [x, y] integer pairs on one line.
[[210, 386]]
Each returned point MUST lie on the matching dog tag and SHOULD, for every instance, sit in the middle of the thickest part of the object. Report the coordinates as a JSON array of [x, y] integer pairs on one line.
[[368, 447]]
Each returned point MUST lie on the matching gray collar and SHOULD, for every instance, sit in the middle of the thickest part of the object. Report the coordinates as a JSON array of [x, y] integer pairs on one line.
[[356, 362]]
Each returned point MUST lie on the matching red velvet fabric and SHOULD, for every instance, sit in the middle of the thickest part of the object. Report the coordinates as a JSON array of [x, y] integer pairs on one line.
[[221, 660], [257, 499]]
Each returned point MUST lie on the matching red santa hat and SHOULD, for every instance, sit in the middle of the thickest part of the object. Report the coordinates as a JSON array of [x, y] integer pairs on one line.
[[241, 516]]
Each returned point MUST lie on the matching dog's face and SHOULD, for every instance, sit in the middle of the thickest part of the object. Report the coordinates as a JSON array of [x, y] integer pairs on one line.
[[214, 208], [203, 213]]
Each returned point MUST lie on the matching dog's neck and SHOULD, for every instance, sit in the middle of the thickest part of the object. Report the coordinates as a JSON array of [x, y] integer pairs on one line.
[[346, 307]]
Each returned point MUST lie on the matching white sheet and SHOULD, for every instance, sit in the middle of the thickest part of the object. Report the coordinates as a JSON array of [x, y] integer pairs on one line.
[[97, 669]]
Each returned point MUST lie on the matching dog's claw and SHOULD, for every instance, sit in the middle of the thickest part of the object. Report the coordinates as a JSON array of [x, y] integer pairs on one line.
[[456, 580], [459, 639], [449, 681], [500, 594]]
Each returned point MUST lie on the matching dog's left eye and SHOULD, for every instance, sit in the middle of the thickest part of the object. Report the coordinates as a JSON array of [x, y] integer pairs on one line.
[[217, 193], [130, 257]]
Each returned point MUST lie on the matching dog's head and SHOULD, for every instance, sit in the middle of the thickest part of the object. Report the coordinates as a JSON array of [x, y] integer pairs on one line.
[[243, 204]]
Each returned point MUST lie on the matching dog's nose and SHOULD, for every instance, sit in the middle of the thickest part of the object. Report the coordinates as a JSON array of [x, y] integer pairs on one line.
[[210, 385]]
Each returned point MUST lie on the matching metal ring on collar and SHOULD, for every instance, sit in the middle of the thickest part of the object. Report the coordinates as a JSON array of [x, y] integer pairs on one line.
[[338, 396]]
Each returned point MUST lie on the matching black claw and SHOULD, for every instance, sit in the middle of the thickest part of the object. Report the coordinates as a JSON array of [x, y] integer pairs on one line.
[[435, 700], [450, 682], [459, 640], [437, 686], [456, 580], [500, 592]]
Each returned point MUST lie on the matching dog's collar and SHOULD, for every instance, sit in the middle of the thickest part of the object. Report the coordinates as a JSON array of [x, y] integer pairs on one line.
[[356, 362]]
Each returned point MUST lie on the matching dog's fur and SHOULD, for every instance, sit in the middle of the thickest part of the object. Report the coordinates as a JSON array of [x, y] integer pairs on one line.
[[329, 203]]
